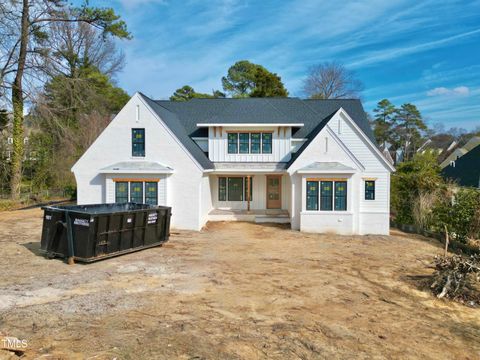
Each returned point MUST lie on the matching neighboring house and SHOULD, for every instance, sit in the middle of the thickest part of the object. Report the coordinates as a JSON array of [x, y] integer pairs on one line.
[[385, 149], [438, 144], [313, 163], [460, 151], [466, 170]]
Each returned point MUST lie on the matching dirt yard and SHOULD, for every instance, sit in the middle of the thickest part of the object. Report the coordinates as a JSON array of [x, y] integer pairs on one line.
[[232, 291]]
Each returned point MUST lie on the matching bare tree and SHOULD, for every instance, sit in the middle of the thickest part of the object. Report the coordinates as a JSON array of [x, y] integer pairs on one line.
[[23, 31], [331, 80], [74, 45]]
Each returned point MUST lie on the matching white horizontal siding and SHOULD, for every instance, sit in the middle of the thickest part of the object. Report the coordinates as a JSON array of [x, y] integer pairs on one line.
[[218, 145], [380, 204], [356, 145]]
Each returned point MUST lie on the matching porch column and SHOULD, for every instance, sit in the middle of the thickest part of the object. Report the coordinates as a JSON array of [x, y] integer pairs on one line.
[[248, 192]]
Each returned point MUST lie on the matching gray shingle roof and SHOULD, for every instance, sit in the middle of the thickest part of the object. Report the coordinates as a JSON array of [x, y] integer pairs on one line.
[[183, 117], [264, 110], [176, 126]]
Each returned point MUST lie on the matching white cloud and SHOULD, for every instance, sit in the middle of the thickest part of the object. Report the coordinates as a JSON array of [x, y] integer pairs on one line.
[[377, 56], [439, 91]]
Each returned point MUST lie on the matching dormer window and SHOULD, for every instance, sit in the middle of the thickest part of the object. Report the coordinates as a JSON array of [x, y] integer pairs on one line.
[[249, 143]]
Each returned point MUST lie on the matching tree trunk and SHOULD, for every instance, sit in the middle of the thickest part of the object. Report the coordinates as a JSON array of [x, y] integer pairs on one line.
[[17, 101]]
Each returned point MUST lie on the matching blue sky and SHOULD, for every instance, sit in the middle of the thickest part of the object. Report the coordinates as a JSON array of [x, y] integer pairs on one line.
[[423, 52]]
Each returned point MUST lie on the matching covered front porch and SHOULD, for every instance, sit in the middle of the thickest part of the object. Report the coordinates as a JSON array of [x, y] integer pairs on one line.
[[250, 192]]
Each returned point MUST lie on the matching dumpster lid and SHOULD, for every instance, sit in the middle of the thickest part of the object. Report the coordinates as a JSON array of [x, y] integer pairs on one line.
[[95, 209], [144, 167]]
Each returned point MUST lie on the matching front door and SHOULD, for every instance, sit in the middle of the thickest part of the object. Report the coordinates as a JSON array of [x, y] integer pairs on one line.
[[274, 192]]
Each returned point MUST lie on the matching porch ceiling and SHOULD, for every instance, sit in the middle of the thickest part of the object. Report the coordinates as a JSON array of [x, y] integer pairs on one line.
[[249, 167]]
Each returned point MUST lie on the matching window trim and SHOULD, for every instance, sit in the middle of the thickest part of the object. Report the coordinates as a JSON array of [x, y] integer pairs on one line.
[[228, 143], [240, 143], [271, 143], [261, 145], [143, 140], [373, 191], [143, 181], [116, 191], [335, 195], [244, 189], [145, 192], [316, 195], [319, 196]]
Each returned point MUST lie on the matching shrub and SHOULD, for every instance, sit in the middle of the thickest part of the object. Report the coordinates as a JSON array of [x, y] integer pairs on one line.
[[421, 175], [70, 191], [460, 213]]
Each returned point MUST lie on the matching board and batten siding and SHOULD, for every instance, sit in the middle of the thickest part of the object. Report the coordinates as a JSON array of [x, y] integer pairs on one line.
[[218, 145]]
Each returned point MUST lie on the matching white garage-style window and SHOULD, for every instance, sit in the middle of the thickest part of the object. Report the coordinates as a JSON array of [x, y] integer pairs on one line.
[[326, 195], [138, 191]]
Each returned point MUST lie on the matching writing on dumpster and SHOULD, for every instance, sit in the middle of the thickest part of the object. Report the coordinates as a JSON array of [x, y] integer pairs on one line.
[[81, 222], [152, 218]]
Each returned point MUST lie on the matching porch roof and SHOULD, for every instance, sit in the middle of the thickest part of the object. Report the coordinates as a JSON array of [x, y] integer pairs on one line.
[[133, 167], [330, 167], [250, 167]]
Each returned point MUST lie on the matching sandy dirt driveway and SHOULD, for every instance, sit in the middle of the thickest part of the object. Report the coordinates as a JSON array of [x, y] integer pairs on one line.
[[232, 291]]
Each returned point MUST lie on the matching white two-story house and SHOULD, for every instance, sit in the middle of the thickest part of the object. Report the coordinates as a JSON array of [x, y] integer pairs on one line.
[[312, 163]]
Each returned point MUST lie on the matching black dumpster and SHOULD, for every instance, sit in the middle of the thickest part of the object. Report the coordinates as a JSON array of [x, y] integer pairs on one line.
[[92, 232]]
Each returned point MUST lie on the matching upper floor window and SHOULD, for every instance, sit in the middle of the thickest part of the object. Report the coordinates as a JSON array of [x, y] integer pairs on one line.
[[138, 142], [232, 143], [266, 143], [369, 189], [249, 143], [326, 195]]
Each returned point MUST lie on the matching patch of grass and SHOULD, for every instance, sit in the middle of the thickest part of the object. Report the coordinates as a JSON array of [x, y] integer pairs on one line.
[[7, 204]]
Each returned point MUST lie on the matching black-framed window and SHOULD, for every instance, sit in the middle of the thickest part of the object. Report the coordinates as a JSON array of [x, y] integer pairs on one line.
[[222, 189], [136, 192], [138, 142], [235, 188], [121, 192], [326, 195], [151, 193], [243, 143], [232, 143], [267, 143], [331, 194], [249, 143], [340, 195], [255, 143], [369, 189], [245, 186], [312, 195]]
